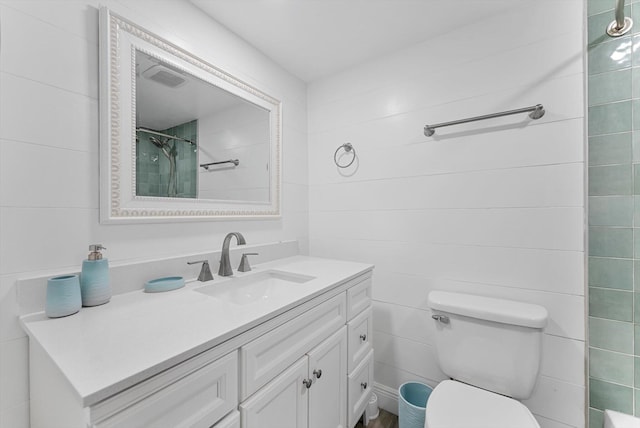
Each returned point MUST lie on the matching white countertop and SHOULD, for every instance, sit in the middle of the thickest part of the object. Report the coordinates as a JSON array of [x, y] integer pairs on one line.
[[104, 349]]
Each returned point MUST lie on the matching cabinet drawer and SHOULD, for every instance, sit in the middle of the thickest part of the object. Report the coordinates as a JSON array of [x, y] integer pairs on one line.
[[264, 358], [188, 395], [231, 421], [360, 387], [359, 337], [358, 298]]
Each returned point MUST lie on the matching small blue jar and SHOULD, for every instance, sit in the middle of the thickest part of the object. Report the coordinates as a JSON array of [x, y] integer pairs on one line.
[[63, 296]]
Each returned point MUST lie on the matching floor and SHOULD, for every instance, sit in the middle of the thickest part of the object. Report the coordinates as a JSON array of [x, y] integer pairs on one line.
[[384, 420]]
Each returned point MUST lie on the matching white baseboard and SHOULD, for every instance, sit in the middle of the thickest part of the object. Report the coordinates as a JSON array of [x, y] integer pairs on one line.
[[387, 398]]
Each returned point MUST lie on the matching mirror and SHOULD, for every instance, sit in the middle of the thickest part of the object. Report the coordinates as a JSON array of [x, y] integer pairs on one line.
[[180, 138], [195, 140]]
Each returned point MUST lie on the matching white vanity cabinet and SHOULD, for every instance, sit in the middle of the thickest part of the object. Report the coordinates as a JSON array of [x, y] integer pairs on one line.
[[198, 397], [360, 351], [306, 365], [265, 357], [196, 393], [336, 397], [232, 420], [309, 394]]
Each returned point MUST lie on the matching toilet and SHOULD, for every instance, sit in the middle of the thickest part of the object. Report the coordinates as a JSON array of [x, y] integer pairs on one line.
[[490, 348]]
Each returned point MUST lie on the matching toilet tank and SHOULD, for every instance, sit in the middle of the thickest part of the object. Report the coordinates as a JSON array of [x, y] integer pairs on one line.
[[491, 343]]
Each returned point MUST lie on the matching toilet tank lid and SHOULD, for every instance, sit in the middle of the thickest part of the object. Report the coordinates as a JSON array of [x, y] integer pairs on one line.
[[489, 308]]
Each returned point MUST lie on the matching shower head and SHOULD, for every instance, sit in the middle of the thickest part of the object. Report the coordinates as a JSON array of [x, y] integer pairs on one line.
[[159, 144]]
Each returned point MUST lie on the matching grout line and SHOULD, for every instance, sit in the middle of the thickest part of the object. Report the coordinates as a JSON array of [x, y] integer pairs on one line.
[[617, 101], [611, 382], [488, 208], [634, 316], [614, 352], [462, 172], [435, 72], [449, 244], [70, 91], [601, 287], [466, 281], [52, 147], [60, 28], [44, 207]]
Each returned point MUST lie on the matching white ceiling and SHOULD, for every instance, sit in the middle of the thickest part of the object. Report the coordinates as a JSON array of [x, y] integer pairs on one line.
[[161, 107], [315, 38]]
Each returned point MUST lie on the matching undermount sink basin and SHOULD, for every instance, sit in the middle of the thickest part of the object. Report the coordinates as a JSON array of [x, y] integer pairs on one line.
[[257, 287]]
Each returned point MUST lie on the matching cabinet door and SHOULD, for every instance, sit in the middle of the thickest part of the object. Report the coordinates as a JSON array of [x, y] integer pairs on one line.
[[265, 357], [232, 420], [282, 403], [328, 393]]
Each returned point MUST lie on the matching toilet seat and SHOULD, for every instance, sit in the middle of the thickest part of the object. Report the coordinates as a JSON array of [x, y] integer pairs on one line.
[[455, 404]]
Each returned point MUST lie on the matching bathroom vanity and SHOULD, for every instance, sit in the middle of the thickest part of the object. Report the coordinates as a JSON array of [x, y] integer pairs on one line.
[[286, 345]]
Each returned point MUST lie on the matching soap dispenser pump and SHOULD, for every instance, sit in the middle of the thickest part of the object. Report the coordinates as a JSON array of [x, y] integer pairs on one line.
[[94, 279]]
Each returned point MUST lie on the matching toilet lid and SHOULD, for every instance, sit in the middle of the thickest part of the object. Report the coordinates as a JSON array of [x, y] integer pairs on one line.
[[457, 405]]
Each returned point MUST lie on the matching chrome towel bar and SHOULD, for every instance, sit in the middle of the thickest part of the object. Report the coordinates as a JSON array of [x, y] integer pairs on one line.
[[535, 112]]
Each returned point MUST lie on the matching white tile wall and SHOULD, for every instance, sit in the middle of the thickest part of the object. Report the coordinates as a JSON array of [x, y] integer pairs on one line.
[[67, 120], [494, 208], [49, 154]]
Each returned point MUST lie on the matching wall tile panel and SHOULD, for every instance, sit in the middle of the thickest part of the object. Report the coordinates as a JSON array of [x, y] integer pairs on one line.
[[49, 147], [493, 208]]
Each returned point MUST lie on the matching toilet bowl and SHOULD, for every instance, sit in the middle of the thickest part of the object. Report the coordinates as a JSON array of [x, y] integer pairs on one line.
[[455, 404], [490, 348]]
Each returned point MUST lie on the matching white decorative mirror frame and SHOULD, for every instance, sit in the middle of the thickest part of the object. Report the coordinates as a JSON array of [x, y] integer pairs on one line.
[[119, 40]]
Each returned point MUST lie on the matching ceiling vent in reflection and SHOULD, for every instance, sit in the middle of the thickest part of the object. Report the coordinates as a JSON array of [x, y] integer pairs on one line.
[[165, 76]]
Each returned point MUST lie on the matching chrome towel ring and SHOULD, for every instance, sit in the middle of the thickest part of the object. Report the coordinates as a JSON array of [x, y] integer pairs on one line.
[[347, 148]]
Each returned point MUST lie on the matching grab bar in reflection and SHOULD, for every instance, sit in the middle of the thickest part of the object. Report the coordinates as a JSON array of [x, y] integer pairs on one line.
[[206, 166]]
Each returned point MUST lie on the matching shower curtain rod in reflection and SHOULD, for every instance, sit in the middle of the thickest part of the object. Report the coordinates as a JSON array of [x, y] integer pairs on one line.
[[162, 134], [536, 112]]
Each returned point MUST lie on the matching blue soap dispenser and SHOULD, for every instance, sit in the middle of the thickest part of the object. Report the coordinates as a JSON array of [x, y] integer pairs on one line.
[[94, 279]]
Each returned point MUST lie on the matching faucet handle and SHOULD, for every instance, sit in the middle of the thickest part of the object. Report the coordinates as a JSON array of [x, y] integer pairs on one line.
[[205, 272], [244, 262]]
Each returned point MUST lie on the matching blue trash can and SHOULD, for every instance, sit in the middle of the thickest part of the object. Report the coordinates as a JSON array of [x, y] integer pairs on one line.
[[412, 404]]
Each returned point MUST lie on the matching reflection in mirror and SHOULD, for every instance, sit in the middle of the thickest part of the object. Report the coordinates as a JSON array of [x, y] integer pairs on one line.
[[196, 140], [180, 138]]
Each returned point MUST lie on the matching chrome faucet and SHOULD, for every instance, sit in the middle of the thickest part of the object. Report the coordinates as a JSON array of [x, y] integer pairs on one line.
[[225, 263]]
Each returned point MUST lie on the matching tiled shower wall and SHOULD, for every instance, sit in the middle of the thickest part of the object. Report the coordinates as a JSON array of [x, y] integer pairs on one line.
[[187, 162], [614, 214], [152, 166]]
